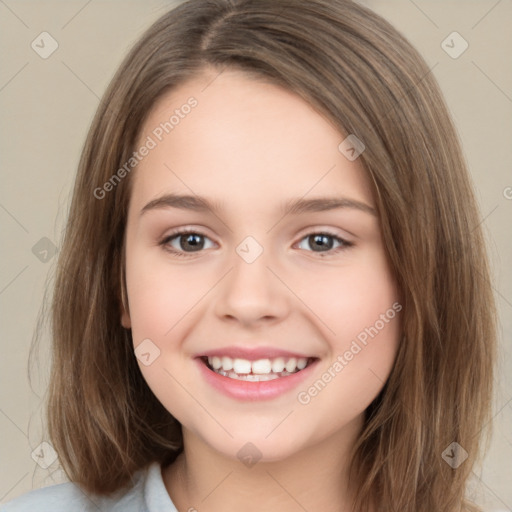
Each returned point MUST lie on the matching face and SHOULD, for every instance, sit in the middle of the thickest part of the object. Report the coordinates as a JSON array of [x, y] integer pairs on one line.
[[234, 272]]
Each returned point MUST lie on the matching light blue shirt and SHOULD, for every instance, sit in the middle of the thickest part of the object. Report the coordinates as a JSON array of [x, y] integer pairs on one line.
[[147, 495]]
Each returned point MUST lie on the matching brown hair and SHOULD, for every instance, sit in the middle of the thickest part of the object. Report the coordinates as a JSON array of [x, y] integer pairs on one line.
[[364, 77]]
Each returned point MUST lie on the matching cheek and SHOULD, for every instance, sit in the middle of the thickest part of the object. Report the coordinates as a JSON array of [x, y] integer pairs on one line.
[[160, 298], [160, 295], [362, 310], [351, 298]]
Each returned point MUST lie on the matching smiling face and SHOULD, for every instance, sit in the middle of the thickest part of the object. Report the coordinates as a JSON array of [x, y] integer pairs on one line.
[[254, 278]]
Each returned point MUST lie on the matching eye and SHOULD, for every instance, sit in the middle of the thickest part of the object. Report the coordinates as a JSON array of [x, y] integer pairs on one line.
[[186, 241], [325, 242]]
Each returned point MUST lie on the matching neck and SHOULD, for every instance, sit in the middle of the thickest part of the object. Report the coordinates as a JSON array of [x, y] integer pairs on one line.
[[314, 478]]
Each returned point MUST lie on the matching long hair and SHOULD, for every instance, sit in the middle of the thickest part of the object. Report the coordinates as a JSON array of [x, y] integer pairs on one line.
[[366, 79]]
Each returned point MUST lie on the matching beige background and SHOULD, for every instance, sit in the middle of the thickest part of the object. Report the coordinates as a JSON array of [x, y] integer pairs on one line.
[[47, 105]]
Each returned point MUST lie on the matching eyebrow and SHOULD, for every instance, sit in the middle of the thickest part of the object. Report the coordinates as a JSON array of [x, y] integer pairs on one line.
[[290, 207]]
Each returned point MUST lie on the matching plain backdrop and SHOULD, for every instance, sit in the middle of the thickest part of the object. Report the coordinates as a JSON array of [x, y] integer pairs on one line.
[[48, 103]]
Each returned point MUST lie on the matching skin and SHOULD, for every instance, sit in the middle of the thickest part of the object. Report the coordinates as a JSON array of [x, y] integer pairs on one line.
[[250, 146]]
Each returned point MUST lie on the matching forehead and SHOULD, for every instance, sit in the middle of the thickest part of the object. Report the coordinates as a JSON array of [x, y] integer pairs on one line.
[[243, 138]]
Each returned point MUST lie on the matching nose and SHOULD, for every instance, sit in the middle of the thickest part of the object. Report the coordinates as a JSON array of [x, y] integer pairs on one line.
[[251, 294]]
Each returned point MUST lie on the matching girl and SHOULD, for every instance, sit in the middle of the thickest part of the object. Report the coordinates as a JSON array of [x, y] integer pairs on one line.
[[273, 292]]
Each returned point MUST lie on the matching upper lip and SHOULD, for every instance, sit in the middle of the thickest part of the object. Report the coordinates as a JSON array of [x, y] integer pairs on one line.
[[252, 354]]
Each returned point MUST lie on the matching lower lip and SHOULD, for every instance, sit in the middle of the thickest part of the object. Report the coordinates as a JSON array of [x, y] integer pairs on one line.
[[247, 390]]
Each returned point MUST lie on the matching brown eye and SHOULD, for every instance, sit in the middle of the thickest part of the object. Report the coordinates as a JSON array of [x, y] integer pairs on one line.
[[191, 241], [325, 242], [184, 242]]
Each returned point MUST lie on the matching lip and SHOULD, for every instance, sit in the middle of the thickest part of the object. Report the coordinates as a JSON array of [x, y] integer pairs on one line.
[[252, 354], [252, 391]]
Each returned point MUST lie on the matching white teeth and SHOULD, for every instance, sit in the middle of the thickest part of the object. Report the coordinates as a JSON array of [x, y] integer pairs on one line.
[[261, 367], [227, 363], [302, 363], [241, 366], [291, 364], [278, 365]]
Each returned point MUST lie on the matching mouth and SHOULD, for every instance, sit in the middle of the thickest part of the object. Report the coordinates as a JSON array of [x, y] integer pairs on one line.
[[260, 370]]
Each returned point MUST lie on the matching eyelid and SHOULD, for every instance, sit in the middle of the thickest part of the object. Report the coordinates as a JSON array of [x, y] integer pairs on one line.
[[184, 231], [180, 232], [336, 232], [344, 244]]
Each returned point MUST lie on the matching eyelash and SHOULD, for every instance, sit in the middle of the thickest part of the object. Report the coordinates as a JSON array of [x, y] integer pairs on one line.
[[164, 243]]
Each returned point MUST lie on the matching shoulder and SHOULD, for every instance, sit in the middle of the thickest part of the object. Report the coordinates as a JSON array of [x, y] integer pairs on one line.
[[69, 496], [54, 498]]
